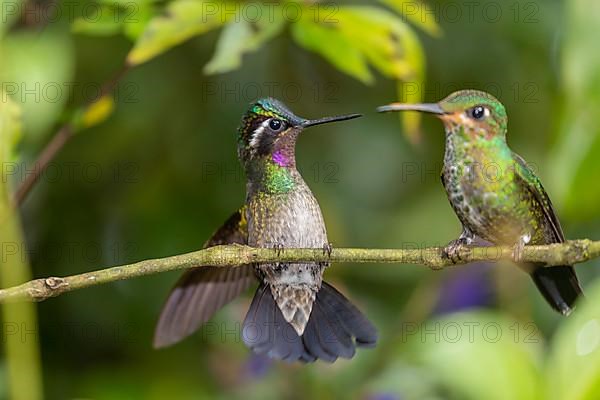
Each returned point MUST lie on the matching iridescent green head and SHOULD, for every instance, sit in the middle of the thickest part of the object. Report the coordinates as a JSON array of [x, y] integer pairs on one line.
[[479, 114], [269, 131]]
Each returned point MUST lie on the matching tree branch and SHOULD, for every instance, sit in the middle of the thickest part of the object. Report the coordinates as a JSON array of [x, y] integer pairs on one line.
[[569, 253]]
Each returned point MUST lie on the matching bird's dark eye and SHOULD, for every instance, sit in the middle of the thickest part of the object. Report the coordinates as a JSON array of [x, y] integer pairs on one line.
[[478, 112], [276, 124]]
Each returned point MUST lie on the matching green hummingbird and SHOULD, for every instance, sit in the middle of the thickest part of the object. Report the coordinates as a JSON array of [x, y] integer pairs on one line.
[[295, 315], [493, 191]]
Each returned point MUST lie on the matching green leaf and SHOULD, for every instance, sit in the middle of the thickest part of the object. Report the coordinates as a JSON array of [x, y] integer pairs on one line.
[[573, 371], [416, 12], [230, 48], [134, 26], [334, 45], [243, 36], [183, 20], [107, 24], [393, 48], [122, 16], [481, 355], [97, 112]]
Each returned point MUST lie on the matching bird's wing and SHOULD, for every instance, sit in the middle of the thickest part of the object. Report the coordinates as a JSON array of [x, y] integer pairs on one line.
[[202, 291], [532, 183]]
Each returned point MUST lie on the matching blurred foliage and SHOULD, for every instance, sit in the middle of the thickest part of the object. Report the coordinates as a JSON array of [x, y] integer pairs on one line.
[[128, 17], [10, 130], [351, 38], [35, 67], [578, 144], [157, 172], [573, 368], [483, 355], [94, 113], [22, 352]]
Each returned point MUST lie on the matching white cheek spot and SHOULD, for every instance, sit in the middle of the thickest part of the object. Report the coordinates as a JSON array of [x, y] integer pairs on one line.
[[526, 238], [257, 134]]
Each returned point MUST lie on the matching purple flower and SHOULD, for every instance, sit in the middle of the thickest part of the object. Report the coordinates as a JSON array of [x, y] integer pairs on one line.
[[467, 287]]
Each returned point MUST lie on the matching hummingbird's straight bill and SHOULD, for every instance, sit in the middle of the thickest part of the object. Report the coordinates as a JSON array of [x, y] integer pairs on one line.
[[509, 208], [432, 108], [327, 120]]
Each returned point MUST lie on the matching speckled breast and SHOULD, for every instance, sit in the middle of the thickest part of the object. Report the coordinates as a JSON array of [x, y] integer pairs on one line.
[[486, 199], [292, 220]]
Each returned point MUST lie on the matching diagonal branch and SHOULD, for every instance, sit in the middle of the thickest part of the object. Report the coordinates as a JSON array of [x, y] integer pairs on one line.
[[569, 253]]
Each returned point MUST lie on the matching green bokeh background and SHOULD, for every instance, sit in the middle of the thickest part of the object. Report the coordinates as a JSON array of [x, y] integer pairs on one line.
[[161, 174]]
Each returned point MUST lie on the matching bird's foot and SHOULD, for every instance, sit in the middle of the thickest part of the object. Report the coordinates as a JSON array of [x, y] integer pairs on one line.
[[278, 247], [519, 248], [452, 250], [327, 249]]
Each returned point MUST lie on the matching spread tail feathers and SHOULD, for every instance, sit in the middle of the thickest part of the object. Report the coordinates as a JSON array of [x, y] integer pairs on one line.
[[559, 286], [334, 329]]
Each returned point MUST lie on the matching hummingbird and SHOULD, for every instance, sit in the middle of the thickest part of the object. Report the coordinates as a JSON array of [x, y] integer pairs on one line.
[[294, 315], [494, 192]]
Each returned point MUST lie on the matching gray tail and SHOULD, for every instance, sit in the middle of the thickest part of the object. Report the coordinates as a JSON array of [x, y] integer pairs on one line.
[[334, 329], [559, 286]]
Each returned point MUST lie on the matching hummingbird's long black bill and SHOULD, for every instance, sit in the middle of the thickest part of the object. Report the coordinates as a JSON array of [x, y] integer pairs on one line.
[[326, 120], [432, 108]]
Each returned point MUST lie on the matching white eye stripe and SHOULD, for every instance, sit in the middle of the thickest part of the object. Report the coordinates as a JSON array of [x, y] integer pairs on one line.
[[486, 112], [257, 134]]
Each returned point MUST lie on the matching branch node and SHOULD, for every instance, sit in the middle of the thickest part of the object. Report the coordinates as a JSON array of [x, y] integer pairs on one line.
[[54, 283]]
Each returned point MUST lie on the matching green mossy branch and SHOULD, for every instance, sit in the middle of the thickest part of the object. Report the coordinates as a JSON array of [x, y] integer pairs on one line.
[[569, 253]]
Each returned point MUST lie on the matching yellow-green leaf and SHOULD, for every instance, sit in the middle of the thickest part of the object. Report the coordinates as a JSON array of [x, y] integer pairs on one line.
[[230, 48], [107, 23], [336, 47], [393, 48], [243, 35], [417, 13], [98, 111], [129, 17], [183, 20], [94, 113], [135, 25]]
